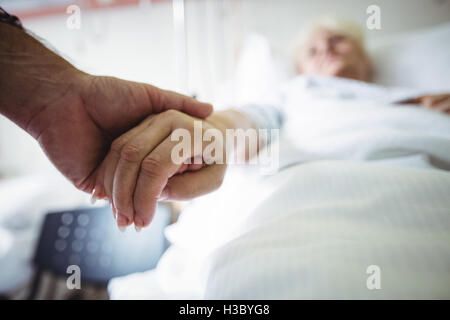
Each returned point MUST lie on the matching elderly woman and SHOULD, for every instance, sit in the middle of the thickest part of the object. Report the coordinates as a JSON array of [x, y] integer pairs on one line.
[[335, 48], [332, 62]]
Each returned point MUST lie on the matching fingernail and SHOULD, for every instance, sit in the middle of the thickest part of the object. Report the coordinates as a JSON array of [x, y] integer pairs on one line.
[[114, 211], [122, 221], [93, 196], [138, 224], [100, 193], [122, 229], [93, 199]]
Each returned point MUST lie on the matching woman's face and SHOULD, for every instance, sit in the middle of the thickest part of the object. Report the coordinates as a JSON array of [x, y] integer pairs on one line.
[[329, 53]]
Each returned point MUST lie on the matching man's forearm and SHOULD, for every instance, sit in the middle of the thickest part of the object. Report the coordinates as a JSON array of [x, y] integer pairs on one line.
[[31, 77]]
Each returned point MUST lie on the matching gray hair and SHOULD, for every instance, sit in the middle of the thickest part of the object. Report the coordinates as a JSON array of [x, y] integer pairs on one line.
[[336, 24]]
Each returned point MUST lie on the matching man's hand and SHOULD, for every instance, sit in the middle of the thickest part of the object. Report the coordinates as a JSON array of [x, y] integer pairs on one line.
[[73, 115], [76, 130]]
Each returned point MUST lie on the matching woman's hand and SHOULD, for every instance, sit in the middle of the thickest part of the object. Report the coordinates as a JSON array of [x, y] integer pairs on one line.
[[139, 170], [438, 102]]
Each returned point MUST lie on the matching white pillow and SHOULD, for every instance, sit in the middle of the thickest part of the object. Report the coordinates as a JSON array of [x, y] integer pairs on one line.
[[419, 59]]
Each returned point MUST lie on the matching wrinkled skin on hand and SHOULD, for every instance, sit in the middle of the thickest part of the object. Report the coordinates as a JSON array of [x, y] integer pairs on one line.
[[76, 129]]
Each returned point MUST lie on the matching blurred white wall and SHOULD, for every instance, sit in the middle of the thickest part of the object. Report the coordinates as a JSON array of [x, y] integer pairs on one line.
[[137, 43]]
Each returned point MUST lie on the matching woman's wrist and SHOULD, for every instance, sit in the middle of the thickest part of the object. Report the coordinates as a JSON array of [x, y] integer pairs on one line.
[[229, 122]]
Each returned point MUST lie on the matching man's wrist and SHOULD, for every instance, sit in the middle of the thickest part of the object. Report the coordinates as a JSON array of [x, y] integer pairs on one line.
[[32, 78], [70, 86]]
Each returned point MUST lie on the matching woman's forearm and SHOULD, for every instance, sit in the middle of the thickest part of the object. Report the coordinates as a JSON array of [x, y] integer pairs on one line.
[[32, 77]]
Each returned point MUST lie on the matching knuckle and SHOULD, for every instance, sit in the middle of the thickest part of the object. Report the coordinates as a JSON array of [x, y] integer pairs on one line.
[[171, 113], [151, 166], [177, 116], [178, 120], [130, 153], [117, 145], [186, 123]]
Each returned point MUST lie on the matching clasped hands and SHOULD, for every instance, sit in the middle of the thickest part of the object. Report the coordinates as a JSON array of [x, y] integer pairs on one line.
[[111, 138], [139, 169]]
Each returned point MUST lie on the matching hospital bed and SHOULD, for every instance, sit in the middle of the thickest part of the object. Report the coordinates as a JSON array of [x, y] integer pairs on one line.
[[378, 207]]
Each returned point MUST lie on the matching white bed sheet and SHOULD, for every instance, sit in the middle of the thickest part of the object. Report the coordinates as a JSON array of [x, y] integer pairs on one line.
[[315, 237], [311, 230]]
